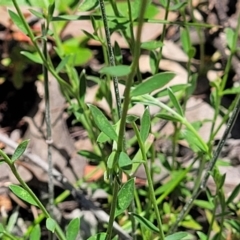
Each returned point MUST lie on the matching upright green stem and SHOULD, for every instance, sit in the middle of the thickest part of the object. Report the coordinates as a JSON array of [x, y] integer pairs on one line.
[[49, 128], [110, 55], [150, 182], [59, 232], [163, 35], [210, 167], [121, 134]]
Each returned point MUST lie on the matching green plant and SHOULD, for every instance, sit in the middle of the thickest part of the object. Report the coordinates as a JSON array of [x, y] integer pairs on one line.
[[146, 219]]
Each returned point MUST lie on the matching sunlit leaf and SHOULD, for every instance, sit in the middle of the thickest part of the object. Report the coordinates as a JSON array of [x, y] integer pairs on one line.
[[72, 229], [125, 196], [103, 124], [22, 193], [117, 71], [153, 83], [35, 233], [51, 224], [145, 222], [33, 57], [176, 236], [17, 21], [19, 150]]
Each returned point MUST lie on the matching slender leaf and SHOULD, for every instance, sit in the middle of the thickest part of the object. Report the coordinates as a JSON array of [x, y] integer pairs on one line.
[[145, 124], [202, 236], [72, 229], [20, 150], [233, 195], [17, 21], [87, 5], [33, 57], [230, 37], [125, 196], [117, 71], [151, 45], [153, 59], [51, 224], [22, 193], [12, 221], [90, 155], [169, 117], [102, 122], [124, 161], [62, 64], [175, 102], [176, 236], [145, 222], [153, 83], [35, 233], [36, 13]]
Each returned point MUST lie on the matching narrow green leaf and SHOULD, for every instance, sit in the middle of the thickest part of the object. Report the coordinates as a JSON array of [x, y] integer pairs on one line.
[[176, 236], [20, 150], [51, 224], [33, 57], [151, 45], [234, 90], [145, 222], [90, 155], [102, 123], [202, 236], [175, 88], [125, 196], [110, 160], [153, 83], [124, 161], [131, 118], [230, 37], [153, 59], [12, 221], [87, 5], [185, 39], [233, 195], [62, 64], [35, 233], [116, 71], [22, 193], [175, 102], [169, 117], [145, 124], [82, 85], [17, 21], [36, 13], [72, 229], [98, 236], [192, 140], [91, 36], [118, 53]]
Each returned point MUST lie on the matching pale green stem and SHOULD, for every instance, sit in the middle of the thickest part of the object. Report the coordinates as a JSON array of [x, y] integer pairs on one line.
[[150, 182]]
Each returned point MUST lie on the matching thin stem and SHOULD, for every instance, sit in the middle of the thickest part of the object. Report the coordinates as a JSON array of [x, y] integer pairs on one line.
[[162, 36], [210, 167], [150, 182], [112, 210], [121, 134], [110, 55], [59, 232], [49, 129]]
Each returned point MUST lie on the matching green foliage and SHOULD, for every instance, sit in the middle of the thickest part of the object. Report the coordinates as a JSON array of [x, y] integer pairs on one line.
[[111, 145], [23, 194]]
